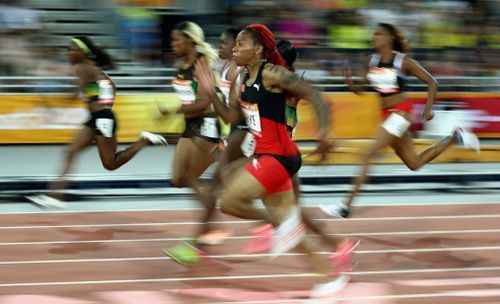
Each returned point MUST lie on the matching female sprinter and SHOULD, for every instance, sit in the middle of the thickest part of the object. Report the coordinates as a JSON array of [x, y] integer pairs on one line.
[[98, 91], [387, 70], [197, 147], [231, 149], [261, 100], [345, 249]]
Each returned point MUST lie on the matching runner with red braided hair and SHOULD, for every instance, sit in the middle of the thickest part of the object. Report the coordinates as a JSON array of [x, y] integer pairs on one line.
[[260, 99], [266, 37]]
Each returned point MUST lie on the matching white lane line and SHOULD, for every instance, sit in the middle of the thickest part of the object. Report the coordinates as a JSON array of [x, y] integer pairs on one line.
[[177, 208], [250, 256], [215, 278], [171, 239], [459, 293], [245, 277], [398, 218], [422, 217], [124, 225]]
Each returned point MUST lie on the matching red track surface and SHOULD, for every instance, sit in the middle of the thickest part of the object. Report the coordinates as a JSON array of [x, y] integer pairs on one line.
[[408, 254]]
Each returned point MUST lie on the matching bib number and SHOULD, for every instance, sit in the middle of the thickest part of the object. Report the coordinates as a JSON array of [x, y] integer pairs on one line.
[[248, 145], [106, 92], [184, 91], [209, 127], [105, 125], [384, 80], [252, 117]]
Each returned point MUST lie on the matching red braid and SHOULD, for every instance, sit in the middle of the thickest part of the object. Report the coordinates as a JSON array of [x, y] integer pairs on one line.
[[266, 38]]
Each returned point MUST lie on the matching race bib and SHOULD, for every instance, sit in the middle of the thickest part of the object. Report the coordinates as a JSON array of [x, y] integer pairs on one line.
[[209, 127], [105, 125], [184, 91], [225, 88], [106, 92], [252, 117], [248, 145], [384, 80]]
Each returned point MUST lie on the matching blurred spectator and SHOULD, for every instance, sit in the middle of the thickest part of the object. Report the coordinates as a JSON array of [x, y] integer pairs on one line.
[[140, 29], [18, 27], [295, 26], [14, 17]]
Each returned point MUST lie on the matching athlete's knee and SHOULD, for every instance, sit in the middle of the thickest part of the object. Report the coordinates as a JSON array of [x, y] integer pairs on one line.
[[179, 181], [227, 207], [413, 165], [229, 204], [365, 159], [109, 165], [71, 153]]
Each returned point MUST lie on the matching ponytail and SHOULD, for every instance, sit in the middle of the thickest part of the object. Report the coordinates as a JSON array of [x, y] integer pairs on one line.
[[194, 32], [93, 52]]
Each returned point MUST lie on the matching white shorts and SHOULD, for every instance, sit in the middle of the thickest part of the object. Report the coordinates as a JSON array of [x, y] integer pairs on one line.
[[396, 125]]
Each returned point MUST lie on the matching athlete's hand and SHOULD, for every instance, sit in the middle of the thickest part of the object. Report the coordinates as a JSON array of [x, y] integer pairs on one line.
[[325, 147], [163, 111], [204, 75], [428, 114], [348, 74]]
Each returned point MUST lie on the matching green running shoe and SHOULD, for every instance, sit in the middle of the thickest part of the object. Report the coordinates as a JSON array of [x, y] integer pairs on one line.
[[184, 254]]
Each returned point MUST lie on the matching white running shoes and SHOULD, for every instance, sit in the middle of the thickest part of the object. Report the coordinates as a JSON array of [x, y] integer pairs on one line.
[[46, 201], [467, 139], [155, 139]]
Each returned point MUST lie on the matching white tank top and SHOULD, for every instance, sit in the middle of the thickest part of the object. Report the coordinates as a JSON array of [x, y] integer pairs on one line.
[[224, 83]]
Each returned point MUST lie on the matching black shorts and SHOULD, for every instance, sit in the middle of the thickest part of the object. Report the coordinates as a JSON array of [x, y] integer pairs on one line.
[[240, 125], [206, 127], [103, 122]]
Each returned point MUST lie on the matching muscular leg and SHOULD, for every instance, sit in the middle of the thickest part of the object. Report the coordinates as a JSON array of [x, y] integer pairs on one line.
[[200, 159], [231, 153], [308, 221], [83, 138], [279, 206], [236, 200], [181, 162], [112, 160], [382, 139], [405, 149]]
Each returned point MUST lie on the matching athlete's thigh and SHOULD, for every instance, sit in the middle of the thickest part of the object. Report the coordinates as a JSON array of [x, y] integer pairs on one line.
[[203, 154], [106, 147], [181, 158], [230, 169], [243, 185], [382, 139], [404, 147], [233, 150], [82, 139]]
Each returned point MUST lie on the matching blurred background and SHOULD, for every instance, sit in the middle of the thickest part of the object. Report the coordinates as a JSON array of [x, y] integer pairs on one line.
[[457, 41]]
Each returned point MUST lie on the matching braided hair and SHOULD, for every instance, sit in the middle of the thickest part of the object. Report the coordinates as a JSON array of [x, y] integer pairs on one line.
[[288, 52], [263, 36]]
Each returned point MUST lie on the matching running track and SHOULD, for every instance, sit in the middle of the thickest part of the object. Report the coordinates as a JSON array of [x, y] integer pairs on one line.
[[408, 254]]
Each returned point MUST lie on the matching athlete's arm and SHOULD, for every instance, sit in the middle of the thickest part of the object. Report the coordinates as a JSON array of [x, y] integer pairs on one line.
[[411, 67], [358, 87], [206, 82], [86, 74], [278, 77], [202, 101]]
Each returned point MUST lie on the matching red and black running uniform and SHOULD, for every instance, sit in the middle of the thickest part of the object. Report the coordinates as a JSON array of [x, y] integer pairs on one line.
[[277, 157]]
